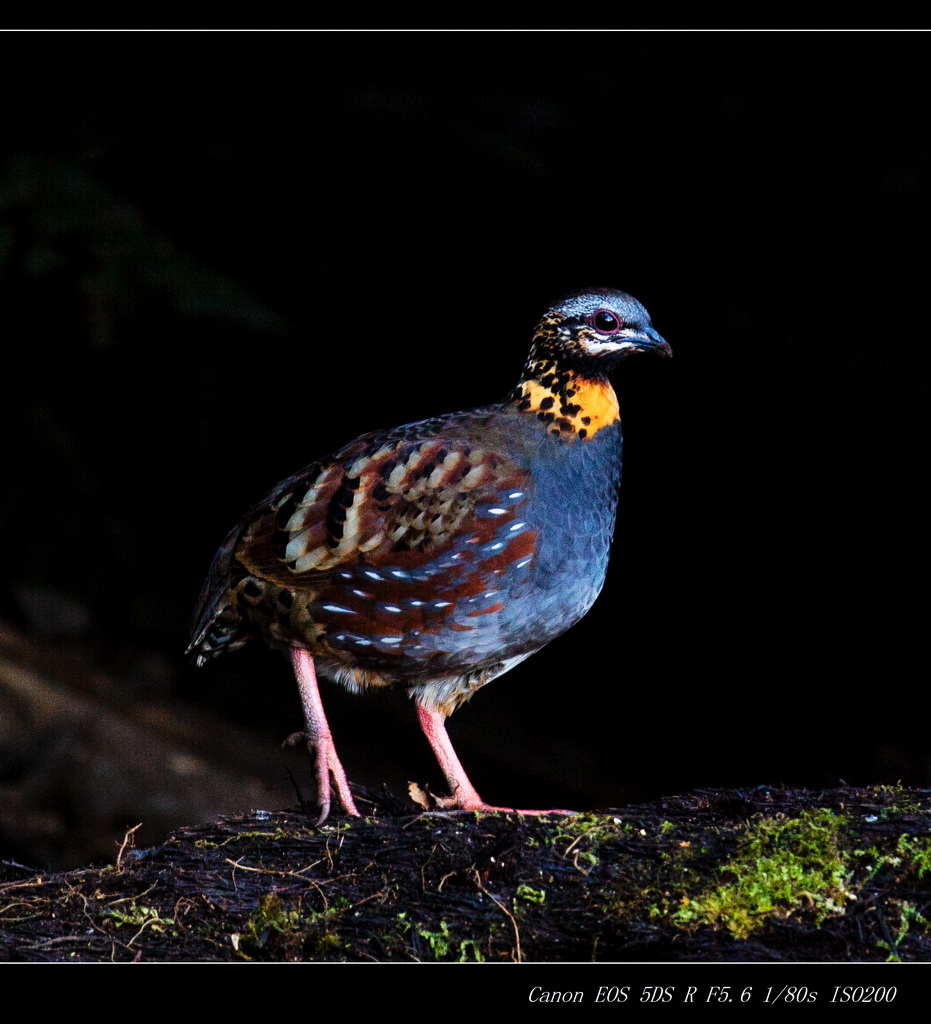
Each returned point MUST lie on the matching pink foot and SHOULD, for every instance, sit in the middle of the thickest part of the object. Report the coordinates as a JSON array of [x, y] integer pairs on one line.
[[451, 803], [319, 738], [465, 797]]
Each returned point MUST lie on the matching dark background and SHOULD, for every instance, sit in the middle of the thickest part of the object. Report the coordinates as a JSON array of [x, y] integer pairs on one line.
[[223, 255]]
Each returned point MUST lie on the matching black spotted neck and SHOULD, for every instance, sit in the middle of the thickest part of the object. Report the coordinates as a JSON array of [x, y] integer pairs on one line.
[[556, 388]]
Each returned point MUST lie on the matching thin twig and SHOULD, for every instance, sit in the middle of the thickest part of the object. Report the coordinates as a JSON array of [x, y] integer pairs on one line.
[[128, 840], [285, 874], [505, 911]]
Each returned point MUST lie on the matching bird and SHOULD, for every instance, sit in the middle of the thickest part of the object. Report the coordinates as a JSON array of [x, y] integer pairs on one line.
[[437, 555]]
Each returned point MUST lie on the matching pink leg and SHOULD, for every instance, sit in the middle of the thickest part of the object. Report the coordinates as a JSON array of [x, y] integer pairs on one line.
[[464, 795], [319, 738]]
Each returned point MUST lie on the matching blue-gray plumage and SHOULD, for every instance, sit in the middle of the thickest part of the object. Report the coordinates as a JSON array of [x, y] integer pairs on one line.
[[437, 555]]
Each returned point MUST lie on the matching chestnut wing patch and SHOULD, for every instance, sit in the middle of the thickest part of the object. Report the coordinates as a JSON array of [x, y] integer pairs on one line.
[[396, 504]]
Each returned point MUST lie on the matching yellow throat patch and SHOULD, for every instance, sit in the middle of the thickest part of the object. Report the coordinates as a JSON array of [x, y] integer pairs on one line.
[[570, 405]]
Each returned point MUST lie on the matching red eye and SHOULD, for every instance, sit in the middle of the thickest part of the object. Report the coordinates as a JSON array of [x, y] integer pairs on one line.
[[606, 322]]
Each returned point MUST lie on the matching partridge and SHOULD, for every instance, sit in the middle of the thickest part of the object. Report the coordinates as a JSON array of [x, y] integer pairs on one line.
[[437, 555]]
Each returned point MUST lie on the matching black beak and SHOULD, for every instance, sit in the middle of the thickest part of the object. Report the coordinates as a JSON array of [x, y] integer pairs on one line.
[[648, 340]]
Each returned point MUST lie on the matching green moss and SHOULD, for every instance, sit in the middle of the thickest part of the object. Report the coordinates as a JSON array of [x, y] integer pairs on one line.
[[902, 800], [903, 917], [470, 948], [277, 836], [441, 942], [598, 828], [911, 855], [270, 917], [529, 895], [782, 867], [274, 931], [804, 868], [580, 836], [437, 941], [905, 864], [915, 854], [138, 915]]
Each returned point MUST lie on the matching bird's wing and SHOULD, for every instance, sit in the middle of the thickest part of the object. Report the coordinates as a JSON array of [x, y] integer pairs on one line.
[[398, 503]]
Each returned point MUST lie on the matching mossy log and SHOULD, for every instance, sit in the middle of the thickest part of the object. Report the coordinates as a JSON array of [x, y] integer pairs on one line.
[[718, 875]]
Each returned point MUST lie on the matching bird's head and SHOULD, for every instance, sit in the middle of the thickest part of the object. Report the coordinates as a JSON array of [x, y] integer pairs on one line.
[[575, 346], [590, 331]]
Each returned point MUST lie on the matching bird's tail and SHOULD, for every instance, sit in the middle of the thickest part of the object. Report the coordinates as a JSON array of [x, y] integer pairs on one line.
[[218, 625]]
